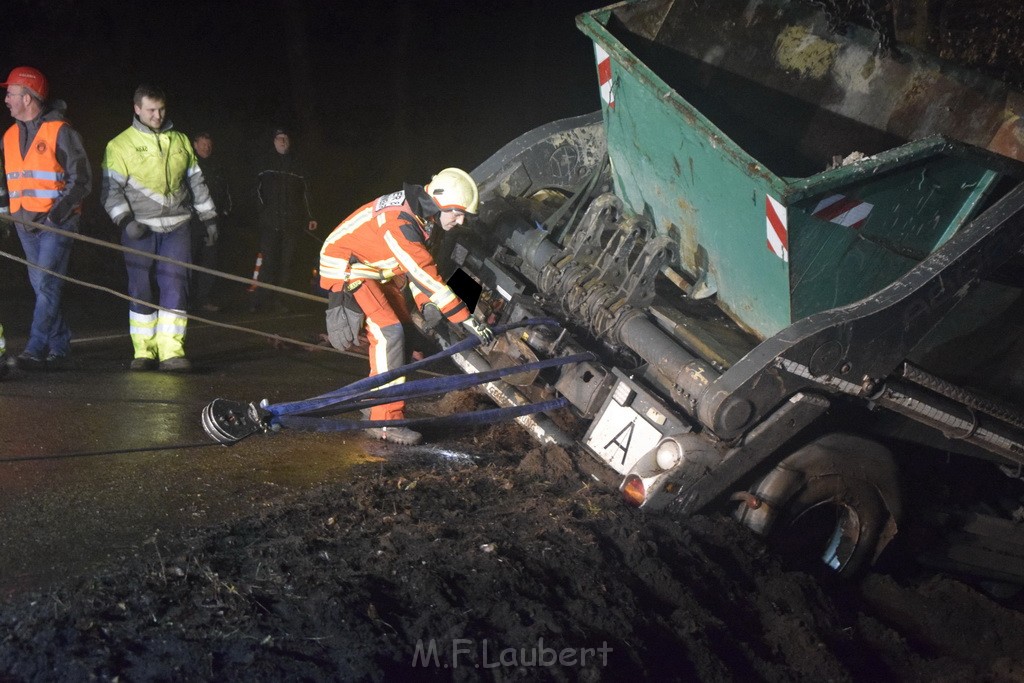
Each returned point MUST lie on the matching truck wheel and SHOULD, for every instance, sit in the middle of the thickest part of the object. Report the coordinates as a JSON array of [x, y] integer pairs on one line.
[[831, 527], [830, 507]]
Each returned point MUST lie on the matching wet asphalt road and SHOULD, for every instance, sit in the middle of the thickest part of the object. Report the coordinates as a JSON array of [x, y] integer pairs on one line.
[[96, 461]]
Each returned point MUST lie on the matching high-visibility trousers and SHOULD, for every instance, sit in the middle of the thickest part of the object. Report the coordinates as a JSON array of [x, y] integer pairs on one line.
[[385, 310], [159, 334]]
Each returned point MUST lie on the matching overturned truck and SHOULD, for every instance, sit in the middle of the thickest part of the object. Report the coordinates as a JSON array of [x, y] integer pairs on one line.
[[795, 257]]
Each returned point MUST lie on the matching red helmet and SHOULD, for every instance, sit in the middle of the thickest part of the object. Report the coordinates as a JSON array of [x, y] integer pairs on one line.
[[33, 79]]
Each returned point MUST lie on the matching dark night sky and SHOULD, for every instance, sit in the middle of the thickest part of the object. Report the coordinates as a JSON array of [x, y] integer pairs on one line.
[[378, 92]]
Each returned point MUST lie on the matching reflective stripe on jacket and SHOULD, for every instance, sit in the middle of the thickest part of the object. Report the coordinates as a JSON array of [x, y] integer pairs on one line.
[[36, 180], [155, 179], [380, 240]]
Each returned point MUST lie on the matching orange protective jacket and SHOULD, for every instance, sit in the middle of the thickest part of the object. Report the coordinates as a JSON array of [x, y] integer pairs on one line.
[[35, 181], [385, 238]]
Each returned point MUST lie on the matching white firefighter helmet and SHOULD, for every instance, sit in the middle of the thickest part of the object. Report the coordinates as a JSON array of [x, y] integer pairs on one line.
[[453, 188]]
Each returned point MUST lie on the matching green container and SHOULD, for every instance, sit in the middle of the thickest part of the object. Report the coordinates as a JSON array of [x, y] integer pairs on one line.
[[728, 122]]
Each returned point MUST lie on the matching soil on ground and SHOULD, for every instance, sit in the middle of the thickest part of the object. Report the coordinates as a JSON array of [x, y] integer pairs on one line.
[[489, 557]]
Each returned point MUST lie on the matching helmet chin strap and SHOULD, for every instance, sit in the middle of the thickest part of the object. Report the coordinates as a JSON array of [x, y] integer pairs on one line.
[[429, 223]]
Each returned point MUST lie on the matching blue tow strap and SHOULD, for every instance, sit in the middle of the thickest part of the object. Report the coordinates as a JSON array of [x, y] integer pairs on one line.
[[369, 392], [479, 417], [346, 393]]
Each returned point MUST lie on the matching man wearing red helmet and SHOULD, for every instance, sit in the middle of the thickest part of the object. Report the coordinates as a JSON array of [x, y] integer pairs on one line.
[[364, 260], [46, 177]]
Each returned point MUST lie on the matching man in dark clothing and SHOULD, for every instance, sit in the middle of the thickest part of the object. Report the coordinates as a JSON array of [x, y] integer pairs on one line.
[[282, 197], [46, 177], [204, 250]]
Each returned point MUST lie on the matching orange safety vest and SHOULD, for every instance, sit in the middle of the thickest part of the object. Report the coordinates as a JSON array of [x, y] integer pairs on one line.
[[35, 181]]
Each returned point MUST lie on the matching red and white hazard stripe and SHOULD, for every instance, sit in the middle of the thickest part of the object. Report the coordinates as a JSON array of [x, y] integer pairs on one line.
[[843, 210], [776, 217], [604, 75], [256, 271]]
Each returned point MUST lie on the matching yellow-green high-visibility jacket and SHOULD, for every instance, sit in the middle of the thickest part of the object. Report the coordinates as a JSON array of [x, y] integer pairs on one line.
[[154, 178]]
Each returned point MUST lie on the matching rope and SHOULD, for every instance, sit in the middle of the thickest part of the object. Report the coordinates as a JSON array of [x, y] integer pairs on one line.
[[191, 266], [190, 316], [157, 257]]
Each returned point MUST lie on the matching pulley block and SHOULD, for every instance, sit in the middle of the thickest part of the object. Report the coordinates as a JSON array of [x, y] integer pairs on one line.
[[227, 422]]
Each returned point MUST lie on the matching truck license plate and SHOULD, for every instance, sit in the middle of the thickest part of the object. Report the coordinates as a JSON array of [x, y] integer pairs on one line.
[[621, 436]]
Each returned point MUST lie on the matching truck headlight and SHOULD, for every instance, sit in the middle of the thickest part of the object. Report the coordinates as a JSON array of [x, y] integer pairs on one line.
[[669, 454]]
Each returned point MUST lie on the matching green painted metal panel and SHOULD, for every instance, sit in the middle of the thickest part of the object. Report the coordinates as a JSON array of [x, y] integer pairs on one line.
[[675, 167], [851, 241], [722, 117]]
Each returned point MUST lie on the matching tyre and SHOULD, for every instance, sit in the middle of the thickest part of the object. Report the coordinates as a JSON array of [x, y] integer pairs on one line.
[[830, 507]]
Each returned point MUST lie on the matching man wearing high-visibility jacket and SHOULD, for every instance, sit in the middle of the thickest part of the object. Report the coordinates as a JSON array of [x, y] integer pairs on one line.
[[372, 253], [46, 177], [151, 185]]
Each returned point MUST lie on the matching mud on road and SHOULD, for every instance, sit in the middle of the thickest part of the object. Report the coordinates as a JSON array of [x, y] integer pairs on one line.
[[487, 557]]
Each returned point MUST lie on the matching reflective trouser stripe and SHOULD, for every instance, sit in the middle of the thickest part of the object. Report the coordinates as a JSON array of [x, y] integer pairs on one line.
[[384, 308], [142, 329], [170, 334], [387, 351], [160, 334]]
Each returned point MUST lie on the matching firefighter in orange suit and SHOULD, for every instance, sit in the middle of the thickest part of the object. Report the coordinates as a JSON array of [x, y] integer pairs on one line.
[[379, 246]]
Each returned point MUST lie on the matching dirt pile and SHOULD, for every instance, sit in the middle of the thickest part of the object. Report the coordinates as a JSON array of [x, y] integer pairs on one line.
[[495, 566]]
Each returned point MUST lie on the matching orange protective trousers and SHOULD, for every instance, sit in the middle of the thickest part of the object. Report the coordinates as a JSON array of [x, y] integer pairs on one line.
[[384, 306]]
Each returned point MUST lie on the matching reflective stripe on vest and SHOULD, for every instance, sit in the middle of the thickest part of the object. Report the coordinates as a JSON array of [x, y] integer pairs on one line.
[[36, 180]]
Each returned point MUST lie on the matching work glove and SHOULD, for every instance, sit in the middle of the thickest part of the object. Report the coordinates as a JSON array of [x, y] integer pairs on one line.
[[211, 234], [480, 329], [135, 230], [344, 320], [431, 316]]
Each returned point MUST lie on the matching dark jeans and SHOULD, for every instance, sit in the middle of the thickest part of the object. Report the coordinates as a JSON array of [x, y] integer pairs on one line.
[[205, 256], [278, 249], [50, 333]]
